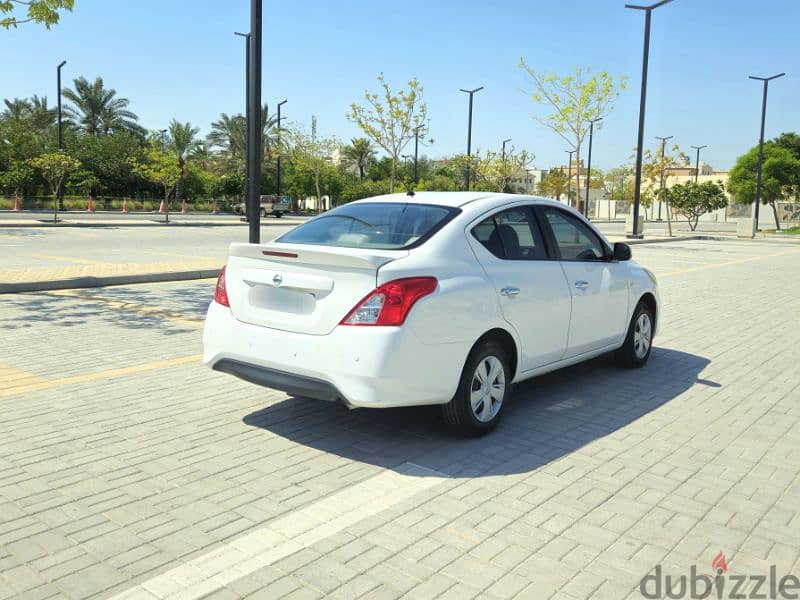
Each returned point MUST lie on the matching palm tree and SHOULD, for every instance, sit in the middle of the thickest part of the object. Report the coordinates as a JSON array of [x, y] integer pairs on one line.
[[16, 109], [40, 114], [361, 153], [230, 134], [183, 140], [98, 111]]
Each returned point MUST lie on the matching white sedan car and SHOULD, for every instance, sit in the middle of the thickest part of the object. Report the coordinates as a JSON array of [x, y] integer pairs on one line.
[[433, 298]]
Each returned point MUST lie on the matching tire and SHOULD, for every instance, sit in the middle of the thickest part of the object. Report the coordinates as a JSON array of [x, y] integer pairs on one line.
[[278, 215], [460, 415], [635, 351]]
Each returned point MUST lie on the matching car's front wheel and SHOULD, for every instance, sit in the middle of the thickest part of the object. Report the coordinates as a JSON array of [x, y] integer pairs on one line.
[[639, 340], [478, 402]]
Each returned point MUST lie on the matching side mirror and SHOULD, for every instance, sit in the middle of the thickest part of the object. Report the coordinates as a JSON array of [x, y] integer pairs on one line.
[[622, 251]]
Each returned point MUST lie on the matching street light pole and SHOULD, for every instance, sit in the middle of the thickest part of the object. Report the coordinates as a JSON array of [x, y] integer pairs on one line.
[[416, 153], [254, 124], [505, 174], [569, 177], [469, 132], [280, 196], [246, 37], [697, 161], [661, 185], [766, 81], [642, 104], [60, 191], [589, 166]]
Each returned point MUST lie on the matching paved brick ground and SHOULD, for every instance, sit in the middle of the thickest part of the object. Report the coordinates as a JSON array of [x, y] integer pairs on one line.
[[128, 468]]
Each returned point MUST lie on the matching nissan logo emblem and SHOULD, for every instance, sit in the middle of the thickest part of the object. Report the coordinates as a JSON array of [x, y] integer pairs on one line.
[[277, 280]]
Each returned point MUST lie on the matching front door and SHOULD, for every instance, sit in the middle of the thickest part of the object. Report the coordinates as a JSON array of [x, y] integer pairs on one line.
[[598, 284], [533, 292]]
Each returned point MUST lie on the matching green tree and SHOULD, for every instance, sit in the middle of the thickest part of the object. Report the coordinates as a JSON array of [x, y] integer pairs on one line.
[[693, 200], [15, 178], [45, 12], [108, 158], [54, 168], [360, 153], [390, 118], [311, 169], [554, 184], [159, 167], [575, 100], [780, 175], [98, 111], [183, 139]]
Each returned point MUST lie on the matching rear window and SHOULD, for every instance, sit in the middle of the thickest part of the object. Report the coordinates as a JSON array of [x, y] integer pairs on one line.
[[379, 225]]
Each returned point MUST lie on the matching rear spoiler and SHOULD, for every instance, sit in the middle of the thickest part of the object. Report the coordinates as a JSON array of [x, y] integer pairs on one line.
[[289, 254]]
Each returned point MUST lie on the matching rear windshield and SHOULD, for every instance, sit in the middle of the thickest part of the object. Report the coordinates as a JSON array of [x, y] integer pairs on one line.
[[380, 225]]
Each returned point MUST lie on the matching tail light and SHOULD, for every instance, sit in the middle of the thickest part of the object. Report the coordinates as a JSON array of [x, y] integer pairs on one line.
[[390, 303], [220, 292]]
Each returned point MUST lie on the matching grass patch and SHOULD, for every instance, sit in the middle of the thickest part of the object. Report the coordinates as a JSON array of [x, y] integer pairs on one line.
[[792, 230]]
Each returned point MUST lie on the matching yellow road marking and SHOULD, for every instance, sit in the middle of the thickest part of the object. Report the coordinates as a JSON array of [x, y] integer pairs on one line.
[[69, 259], [728, 263], [134, 307], [11, 377], [98, 375]]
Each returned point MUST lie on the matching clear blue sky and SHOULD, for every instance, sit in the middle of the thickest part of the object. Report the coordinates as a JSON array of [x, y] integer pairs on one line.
[[179, 58]]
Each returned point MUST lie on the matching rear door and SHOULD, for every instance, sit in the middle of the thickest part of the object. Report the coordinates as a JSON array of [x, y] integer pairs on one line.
[[533, 293], [598, 284]]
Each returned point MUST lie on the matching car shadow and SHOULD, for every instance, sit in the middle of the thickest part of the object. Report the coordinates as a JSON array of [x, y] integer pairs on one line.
[[546, 417]]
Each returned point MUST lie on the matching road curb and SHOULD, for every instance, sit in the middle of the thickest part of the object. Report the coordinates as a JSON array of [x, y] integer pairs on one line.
[[680, 238], [92, 282]]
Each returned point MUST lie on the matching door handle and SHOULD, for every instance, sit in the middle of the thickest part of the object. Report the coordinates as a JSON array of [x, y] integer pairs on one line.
[[509, 291], [581, 284]]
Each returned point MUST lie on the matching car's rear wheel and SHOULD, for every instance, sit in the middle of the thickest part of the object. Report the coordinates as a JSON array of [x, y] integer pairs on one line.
[[639, 340], [478, 402]]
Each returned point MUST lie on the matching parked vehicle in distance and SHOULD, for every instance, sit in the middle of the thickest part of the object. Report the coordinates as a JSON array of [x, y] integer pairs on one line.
[[270, 205], [437, 298]]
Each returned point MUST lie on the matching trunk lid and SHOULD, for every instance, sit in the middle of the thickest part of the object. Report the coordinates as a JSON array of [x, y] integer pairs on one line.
[[300, 288]]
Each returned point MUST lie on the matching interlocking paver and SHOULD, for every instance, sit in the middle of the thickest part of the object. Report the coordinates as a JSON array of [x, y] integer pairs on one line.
[[595, 476]]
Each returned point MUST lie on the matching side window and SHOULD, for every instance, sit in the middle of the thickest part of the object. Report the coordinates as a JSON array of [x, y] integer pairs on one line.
[[575, 240], [511, 235]]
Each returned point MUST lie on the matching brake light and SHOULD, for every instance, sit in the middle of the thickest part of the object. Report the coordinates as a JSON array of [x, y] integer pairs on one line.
[[390, 303], [220, 292]]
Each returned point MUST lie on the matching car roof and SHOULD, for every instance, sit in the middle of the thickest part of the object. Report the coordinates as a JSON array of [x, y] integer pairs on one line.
[[457, 199]]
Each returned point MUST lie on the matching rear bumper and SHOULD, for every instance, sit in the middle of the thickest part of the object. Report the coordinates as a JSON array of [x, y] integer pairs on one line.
[[362, 366], [294, 385]]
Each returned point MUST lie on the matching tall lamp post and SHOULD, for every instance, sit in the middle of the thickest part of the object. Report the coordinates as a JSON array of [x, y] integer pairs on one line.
[[589, 166], [766, 81], [505, 173], [60, 191], [469, 132], [246, 37], [278, 174], [697, 161], [416, 153], [661, 185], [642, 104], [254, 124], [569, 176]]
